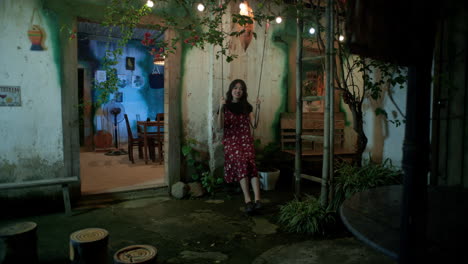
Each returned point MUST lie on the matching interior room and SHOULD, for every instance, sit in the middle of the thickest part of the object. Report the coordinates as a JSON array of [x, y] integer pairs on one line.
[[105, 136]]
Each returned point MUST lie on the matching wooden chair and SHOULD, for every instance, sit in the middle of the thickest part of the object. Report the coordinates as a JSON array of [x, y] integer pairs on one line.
[[160, 118], [138, 141]]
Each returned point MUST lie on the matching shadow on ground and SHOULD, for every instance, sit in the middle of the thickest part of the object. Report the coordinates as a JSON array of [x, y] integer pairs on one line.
[[206, 230]]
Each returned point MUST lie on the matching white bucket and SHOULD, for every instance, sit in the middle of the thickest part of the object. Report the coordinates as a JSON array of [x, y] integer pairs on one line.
[[268, 179]]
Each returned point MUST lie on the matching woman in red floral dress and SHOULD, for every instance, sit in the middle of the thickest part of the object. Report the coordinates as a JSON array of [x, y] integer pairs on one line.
[[235, 117]]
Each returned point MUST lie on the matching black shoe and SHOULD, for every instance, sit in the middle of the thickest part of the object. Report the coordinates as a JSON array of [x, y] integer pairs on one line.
[[249, 207], [258, 205]]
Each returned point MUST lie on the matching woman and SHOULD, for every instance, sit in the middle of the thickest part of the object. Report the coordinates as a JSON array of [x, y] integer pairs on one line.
[[235, 117]]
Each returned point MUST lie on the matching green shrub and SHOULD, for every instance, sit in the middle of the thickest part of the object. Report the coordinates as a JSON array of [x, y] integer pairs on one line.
[[352, 179], [200, 168], [305, 216]]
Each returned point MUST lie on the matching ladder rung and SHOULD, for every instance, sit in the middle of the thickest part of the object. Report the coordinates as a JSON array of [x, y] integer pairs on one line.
[[312, 138], [311, 178], [312, 98], [313, 58]]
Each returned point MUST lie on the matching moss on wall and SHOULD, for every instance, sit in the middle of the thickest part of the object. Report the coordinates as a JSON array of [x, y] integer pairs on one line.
[[30, 169]]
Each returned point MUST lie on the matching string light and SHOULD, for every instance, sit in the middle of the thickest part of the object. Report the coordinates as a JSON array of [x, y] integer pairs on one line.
[[312, 30], [278, 20], [200, 7], [341, 38], [149, 3], [244, 9]]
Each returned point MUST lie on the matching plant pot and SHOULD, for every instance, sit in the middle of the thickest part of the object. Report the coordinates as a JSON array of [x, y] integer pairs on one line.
[[268, 179]]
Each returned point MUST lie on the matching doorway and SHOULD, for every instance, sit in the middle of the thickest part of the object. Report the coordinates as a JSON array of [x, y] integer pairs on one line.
[[102, 133]]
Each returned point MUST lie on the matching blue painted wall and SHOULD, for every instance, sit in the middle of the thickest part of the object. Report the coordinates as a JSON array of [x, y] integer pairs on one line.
[[139, 99]]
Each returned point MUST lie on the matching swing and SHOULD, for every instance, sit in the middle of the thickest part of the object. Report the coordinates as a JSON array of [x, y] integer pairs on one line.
[[257, 106]]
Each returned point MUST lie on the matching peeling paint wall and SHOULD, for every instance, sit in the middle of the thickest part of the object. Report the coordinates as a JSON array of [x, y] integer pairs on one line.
[[32, 135], [385, 138], [205, 79]]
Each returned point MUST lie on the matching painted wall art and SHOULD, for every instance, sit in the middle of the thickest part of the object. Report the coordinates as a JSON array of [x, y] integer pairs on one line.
[[10, 96]]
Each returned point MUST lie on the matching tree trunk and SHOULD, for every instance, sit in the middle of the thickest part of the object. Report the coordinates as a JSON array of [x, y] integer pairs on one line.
[[18, 243], [89, 246], [142, 254], [361, 141]]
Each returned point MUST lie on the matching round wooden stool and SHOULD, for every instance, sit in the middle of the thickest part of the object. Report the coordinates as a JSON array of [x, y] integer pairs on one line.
[[142, 254], [18, 243], [89, 245]]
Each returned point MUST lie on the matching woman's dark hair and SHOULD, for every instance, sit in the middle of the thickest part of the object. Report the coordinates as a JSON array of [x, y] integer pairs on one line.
[[245, 106]]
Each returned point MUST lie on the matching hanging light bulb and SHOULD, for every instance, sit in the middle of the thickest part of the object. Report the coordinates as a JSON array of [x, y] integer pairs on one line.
[[278, 20], [244, 9], [242, 6], [312, 30], [149, 3], [341, 38], [200, 7]]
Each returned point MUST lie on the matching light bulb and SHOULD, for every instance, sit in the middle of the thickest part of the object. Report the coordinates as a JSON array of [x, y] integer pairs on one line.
[[278, 20], [312, 30], [341, 38], [200, 7], [149, 3], [242, 6]]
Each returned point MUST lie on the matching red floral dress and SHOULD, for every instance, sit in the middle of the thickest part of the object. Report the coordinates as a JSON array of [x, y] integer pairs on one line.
[[239, 152]]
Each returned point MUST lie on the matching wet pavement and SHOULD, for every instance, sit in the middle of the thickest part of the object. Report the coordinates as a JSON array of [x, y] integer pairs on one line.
[[205, 230]]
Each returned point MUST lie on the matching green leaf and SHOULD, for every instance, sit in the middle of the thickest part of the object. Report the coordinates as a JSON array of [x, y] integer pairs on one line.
[[186, 150]]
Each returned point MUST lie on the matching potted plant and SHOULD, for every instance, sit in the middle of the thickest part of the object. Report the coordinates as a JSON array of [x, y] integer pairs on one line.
[[267, 159]]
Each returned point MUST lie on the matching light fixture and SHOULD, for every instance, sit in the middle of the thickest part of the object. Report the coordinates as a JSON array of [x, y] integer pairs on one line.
[[341, 38], [278, 20], [149, 3], [200, 7], [158, 61], [312, 30], [244, 9]]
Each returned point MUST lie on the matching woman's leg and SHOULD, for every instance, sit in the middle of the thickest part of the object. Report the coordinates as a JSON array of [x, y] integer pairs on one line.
[[256, 188], [245, 189]]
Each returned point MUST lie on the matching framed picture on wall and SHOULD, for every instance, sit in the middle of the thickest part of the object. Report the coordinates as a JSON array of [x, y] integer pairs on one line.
[[119, 97], [122, 80], [130, 63], [100, 76], [137, 81]]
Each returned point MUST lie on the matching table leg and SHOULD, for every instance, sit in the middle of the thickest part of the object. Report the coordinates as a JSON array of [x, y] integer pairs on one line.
[[146, 144]]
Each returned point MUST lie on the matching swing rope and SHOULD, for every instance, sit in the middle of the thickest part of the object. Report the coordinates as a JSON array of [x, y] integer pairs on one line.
[[257, 106]]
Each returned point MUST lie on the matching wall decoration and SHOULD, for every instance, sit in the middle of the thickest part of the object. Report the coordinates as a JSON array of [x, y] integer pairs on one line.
[[156, 78], [100, 76], [119, 97], [137, 81], [130, 63], [36, 37], [10, 96], [35, 34], [122, 80]]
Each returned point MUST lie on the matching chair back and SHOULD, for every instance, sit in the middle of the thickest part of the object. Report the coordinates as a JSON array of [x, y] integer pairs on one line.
[[160, 117], [129, 129]]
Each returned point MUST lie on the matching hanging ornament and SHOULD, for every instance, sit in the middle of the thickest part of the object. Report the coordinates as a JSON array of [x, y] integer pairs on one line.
[[35, 34]]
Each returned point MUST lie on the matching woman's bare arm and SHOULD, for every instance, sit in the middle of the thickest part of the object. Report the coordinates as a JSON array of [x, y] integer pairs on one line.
[[221, 114]]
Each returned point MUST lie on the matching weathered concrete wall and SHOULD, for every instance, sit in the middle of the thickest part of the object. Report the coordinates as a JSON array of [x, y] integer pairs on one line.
[[32, 143], [206, 79], [385, 138]]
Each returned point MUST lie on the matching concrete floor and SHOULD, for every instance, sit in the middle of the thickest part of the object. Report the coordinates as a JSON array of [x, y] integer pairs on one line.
[[206, 230], [100, 173]]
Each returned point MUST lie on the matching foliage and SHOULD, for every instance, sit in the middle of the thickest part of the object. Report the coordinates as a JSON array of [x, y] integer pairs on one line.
[[201, 171], [269, 157], [124, 15], [351, 179], [305, 216]]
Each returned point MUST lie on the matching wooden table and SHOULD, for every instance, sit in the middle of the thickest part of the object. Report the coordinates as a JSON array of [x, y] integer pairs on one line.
[[373, 216], [158, 136]]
